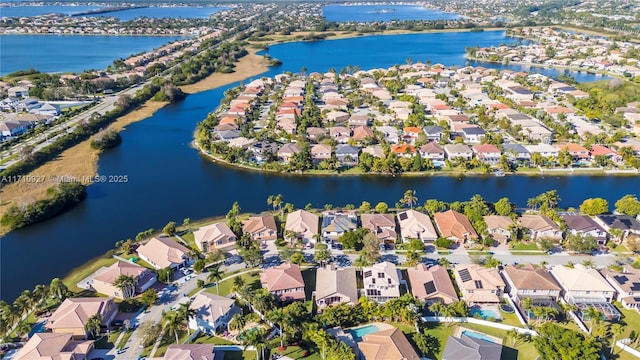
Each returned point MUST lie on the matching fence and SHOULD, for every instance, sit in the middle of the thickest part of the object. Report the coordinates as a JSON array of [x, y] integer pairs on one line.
[[478, 322]]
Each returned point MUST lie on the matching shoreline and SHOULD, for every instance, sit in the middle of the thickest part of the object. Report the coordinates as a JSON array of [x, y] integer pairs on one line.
[[81, 161], [450, 173], [545, 66]]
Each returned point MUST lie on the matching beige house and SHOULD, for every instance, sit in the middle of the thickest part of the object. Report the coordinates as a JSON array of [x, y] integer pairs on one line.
[[261, 228], [215, 237], [335, 286], [381, 281], [499, 227], [531, 282], [189, 352], [627, 285], [103, 282], [53, 346], [581, 284], [284, 281], [478, 284], [303, 223], [390, 344], [432, 284], [416, 225], [383, 226], [213, 313], [540, 227], [73, 313], [164, 252], [455, 226]]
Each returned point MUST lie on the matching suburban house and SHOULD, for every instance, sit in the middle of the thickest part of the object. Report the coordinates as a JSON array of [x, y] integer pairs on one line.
[[103, 282], [284, 281], [531, 282], [18, 92], [577, 151], [347, 154], [454, 226], [458, 151], [383, 226], [261, 228], [381, 282], [335, 224], [189, 352], [50, 346], [487, 153], [473, 134], [72, 315], [582, 284], [624, 224], [335, 286], [213, 313], [478, 284], [304, 224], [287, 151], [434, 133], [164, 252], [517, 153], [416, 225], [585, 226], [215, 237], [541, 227], [389, 344], [627, 286], [499, 227], [432, 150], [320, 152], [432, 284], [466, 347]]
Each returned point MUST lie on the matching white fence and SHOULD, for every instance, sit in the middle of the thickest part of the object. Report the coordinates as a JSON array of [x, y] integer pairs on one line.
[[515, 309], [628, 349], [478, 322]]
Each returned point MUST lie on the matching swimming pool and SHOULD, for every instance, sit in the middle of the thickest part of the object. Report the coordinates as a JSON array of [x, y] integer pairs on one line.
[[358, 333], [485, 313], [478, 336]]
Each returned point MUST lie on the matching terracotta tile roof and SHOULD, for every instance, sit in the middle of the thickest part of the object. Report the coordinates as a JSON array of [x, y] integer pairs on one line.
[[601, 150], [382, 225], [388, 344], [412, 130], [257, 224], [213, 233], [530, 278], [477, 282], [283, 277], [361, 132], [190, 352], [117, 269], [50, 346], [163, 251], [403, 148], [432, 283], [486, 149], [573, 147], [498, 222], [538, 223], [453, 224], [74, 312]]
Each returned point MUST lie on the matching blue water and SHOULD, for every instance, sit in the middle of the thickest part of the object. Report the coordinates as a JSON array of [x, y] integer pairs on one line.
[[191, 12], [37, 328], [386, 50], [485, 313], [478, 336], [358, 333], [27, 11], [371, 13], [186, 12], [64, 53]]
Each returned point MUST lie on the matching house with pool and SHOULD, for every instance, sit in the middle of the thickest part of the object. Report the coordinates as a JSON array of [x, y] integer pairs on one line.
[[534, 283], [471, 345], [432, 284], [478, 284]]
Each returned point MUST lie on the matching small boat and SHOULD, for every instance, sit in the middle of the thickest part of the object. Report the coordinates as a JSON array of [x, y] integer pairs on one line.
[[499, 173]]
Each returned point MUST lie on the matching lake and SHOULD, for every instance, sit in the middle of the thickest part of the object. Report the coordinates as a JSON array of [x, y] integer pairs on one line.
[[169, 180], [373, 13], [125, 15], [70, 53]]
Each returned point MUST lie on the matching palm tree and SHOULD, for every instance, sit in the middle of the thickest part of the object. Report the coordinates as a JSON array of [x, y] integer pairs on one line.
[[436, 307], [172, 323], [23, 328], [275, 201], [238, 283], [40, 292], [594, 317], [185, 313], [444, 262], [237, 323], [58, 289], [24, 302], [409, 198], [254, 337], [215, 275], [588, 264], [550, 199], [277, 316], [616, 330], [93, 325], [126, 284]]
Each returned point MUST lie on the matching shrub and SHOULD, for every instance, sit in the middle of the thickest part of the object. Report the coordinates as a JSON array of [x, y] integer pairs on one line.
[[105, 140]]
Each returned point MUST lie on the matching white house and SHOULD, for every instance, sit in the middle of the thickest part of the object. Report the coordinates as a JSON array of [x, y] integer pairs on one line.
[[213, 313], [381, 282]]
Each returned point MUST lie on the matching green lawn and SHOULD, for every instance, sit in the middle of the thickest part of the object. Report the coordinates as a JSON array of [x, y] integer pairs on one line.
[[296, 352], [252, 279], [630, 320], [189, 239], [527, 253], [125, 338], [85, 270], [510, 319], [216, 340], [170, 339], [239, 355], [524, 246]]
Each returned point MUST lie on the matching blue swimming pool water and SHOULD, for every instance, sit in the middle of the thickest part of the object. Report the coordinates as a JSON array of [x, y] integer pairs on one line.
[[37, 328], [478, 336], [485, 313], [358, 333]]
